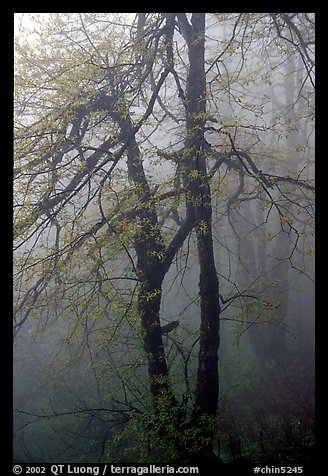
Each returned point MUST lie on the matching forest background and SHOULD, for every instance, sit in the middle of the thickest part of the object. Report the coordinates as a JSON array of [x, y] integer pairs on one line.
[[164, 199]]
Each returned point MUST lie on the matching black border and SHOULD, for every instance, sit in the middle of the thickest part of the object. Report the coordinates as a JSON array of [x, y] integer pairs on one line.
[[6, 223]]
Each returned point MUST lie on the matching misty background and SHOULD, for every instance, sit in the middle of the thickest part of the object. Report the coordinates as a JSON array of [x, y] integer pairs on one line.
[[80, 370]]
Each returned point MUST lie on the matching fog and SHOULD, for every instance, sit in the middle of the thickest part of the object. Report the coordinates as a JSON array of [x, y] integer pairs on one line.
[[81, 376]]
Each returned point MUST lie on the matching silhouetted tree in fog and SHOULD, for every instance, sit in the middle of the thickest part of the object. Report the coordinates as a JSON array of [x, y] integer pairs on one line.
[[136, 136]]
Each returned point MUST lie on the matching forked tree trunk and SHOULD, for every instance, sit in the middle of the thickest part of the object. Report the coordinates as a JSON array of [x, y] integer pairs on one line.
[[192, 438]]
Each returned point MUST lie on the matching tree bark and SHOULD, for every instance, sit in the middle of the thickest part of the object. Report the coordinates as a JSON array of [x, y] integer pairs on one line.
[[154, 261], [150, 250], [199, 207]]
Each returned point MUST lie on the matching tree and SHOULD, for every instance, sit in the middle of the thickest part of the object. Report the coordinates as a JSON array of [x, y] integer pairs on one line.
[[116, 172]]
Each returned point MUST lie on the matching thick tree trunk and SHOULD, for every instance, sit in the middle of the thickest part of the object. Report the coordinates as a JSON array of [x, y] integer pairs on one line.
[[208, 375], [149, 300], [150, 251], [199, 208]]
